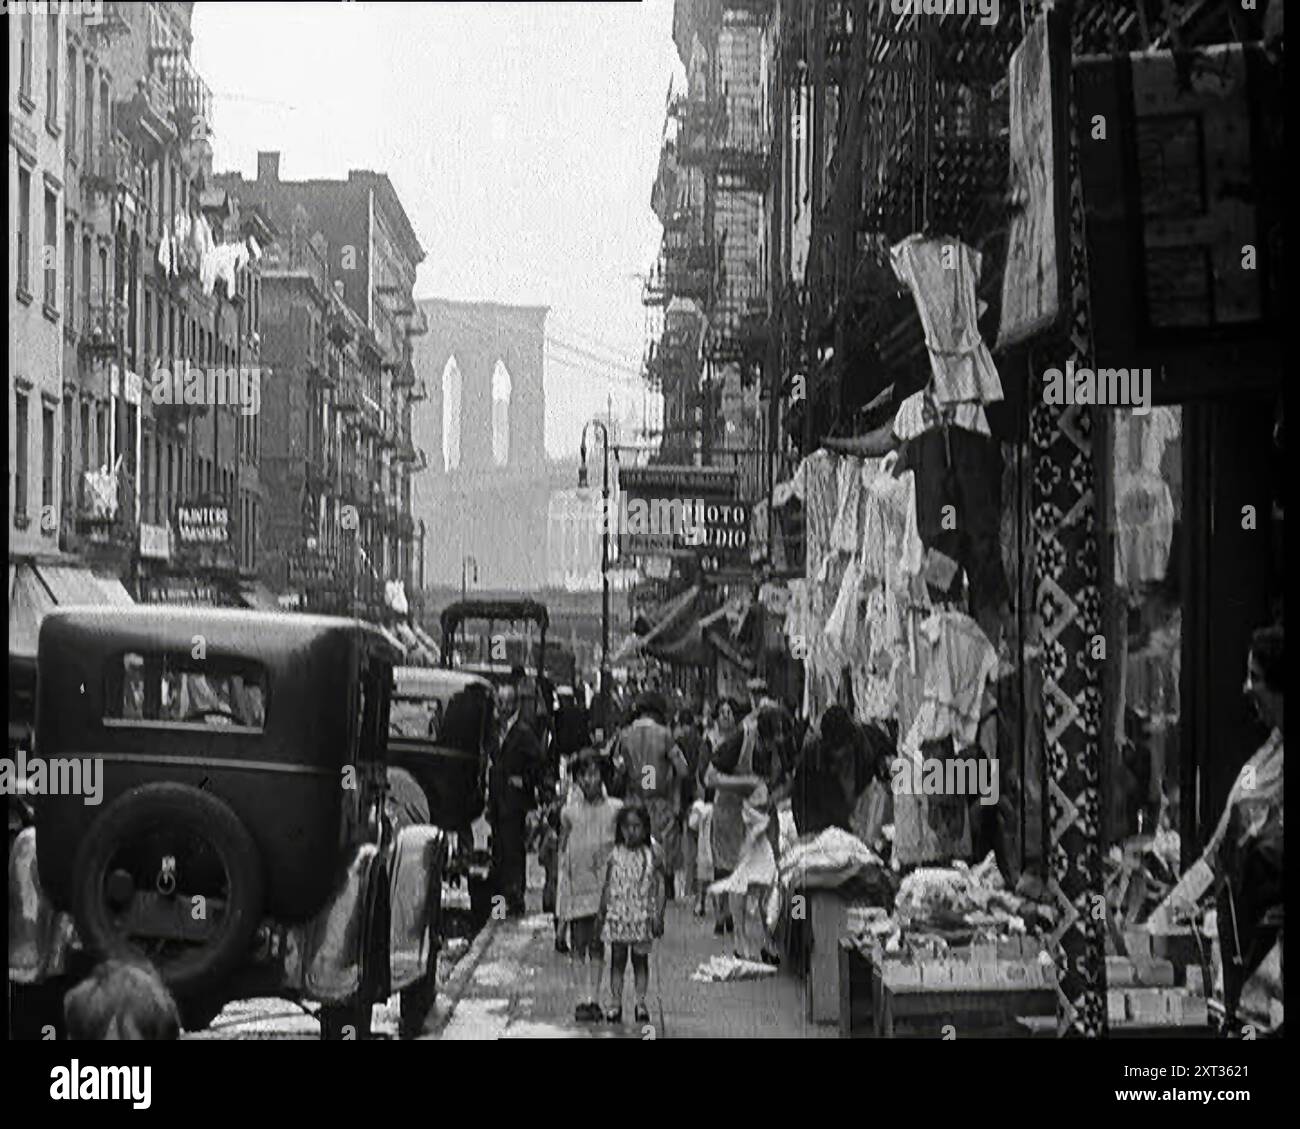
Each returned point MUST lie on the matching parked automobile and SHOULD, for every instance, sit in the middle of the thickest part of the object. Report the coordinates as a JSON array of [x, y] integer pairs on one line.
[[441, 729], [242, 842]]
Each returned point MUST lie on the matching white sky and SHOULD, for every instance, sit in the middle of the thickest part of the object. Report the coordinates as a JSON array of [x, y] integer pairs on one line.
[[522, 139]]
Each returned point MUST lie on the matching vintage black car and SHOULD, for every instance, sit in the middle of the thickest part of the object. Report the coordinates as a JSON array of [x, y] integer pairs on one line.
[[441, 729], [241, 840]]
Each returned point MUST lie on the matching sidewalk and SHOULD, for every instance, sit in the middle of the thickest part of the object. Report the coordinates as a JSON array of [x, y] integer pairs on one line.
[[522, 988]]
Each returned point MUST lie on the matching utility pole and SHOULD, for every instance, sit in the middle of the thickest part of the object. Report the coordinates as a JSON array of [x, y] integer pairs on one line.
[[604, 553]]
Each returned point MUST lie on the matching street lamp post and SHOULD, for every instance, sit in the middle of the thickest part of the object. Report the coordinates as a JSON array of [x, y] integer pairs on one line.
[[604, 555]]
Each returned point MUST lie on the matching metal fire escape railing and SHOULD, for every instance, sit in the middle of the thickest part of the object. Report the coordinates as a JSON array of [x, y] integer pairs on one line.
[[935, 153]]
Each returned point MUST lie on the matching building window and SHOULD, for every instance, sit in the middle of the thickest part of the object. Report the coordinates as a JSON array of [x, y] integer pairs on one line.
[[148, 327], [52, 53], [24, 232], [103, 116], [101, 436], [171, 482], [65, 456], [89, 124], [25, 58], [72, 100], [85, 282], [47, 456], [105, 295], [85, 435], [50, 252], [20, 455], [69, 279]]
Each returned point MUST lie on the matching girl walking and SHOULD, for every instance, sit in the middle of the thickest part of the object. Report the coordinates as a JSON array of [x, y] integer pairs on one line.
[[632, 908], [586, 840]]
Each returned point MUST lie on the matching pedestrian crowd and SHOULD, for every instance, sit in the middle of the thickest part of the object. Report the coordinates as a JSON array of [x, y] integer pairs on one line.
[[669, 805]]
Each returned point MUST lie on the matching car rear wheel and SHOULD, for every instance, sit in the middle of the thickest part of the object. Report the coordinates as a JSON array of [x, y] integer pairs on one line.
[[170, 873]]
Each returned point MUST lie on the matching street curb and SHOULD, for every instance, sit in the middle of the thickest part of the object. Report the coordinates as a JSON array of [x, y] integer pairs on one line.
[[455, 986]]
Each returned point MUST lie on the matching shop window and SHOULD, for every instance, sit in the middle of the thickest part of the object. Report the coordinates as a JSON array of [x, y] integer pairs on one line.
[[1143, 523], [173, 688]]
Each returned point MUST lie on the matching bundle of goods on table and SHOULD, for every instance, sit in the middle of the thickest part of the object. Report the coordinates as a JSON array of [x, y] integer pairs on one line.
[[956, 952], [961, 950]]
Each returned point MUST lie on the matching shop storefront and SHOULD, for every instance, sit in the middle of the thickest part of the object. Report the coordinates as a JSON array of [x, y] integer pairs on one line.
[[1065, 588]]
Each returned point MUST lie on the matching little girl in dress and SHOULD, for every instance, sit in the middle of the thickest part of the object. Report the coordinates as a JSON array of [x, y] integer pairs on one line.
[[632, 908]]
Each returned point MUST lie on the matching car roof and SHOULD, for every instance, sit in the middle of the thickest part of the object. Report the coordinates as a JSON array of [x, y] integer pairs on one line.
[[255, 633]]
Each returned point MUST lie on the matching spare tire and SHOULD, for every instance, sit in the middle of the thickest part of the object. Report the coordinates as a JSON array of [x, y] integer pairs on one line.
[[214, 855]]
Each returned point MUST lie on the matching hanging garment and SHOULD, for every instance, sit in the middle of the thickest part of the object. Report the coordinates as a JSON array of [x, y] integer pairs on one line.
[[920, 412], [228, 259], [845, 535], [892, 551], [165, 253], [960, 663], [841, 624], [959, 504], [1151, 675], [202, 243], [942, 273], [820, 495], [796, 615], [1144, 528]]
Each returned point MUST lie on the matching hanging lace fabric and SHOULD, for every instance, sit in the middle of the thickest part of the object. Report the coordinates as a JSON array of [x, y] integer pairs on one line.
[[823, 573]]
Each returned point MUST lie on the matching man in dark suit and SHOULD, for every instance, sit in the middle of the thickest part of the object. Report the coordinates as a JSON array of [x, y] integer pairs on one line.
[[516, 769]]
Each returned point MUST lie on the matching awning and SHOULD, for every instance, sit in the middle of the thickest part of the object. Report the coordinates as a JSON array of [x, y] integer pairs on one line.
[[71, 585], [36, 588], [409, 642], [677, 637], [29, 600], [426, 641], [393, 639], [116, 595]]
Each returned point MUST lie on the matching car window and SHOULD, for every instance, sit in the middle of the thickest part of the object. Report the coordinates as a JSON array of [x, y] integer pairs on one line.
[[174, 687], [415, 717]]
